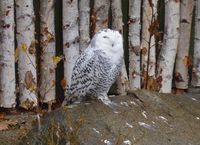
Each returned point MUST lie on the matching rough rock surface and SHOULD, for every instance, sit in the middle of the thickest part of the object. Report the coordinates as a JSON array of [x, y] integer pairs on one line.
[[142, 118]]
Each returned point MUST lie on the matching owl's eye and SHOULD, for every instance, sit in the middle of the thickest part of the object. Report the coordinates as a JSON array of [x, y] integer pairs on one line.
[[105, 37]]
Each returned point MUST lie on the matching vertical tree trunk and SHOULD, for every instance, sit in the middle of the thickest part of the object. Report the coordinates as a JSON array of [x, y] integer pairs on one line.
[[48, 65], [100, 15], [117, 24], [196, 57], [7, 57], [182, 60], [168, 52], [84, 23], [148, 43], [26, 45], [134, 44], [70, 36]]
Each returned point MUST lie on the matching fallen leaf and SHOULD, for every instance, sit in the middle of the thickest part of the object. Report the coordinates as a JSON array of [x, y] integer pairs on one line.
[[32, 47], [56, 59], [32, 88], [178, 77], [24, 47], [144, 51], [4, 125], [27, 104], [187, 61], [30, 81], [63, 83]]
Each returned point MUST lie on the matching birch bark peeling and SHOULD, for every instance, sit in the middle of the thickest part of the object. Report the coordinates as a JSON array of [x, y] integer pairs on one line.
[[7, 57], [84, 23], [100, 14], [148, 44], [117, 24], [196, 57], [134, 44], [182, 59], [47, 41], [70, 36], [168, 52], [27, 61]]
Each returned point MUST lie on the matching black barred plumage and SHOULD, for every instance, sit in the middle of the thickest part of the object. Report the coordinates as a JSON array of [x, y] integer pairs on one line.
[[97, 67]]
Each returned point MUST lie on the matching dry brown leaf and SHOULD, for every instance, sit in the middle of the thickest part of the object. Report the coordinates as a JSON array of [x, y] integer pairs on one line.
[[178, 77], [29, 81], [144, 51], [49, 35], [4, 125], [187, 61], [63, 83], [154, 27], [32, 47], [27, 104]]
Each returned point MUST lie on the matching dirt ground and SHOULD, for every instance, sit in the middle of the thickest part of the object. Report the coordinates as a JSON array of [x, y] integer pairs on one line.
[[153, 119]]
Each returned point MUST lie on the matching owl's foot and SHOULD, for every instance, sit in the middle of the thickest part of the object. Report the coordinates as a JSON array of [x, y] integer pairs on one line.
[[107, 101], [70, 100]]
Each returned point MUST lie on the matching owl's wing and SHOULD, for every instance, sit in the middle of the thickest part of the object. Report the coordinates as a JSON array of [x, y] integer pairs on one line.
[[83, 73]]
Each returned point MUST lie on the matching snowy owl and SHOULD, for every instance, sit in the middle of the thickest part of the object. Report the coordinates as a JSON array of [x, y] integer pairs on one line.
[[96, 68]]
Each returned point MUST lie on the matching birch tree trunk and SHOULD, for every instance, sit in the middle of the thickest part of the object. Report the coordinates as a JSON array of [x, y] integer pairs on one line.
[[26, 45], [117, 24], [84, 23], [168, 52], [70, 36], [134, 44], [99, 16], [196, 57], [47, 41], [182, 59], [7, 57], [148, 43]]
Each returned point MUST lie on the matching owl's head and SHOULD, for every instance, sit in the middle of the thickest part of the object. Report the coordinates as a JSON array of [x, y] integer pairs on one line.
[[108, 40]]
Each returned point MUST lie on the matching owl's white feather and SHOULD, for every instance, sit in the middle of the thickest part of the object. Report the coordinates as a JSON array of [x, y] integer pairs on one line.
[[97, 67]]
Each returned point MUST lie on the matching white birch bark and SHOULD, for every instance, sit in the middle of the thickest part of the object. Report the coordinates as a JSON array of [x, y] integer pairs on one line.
[[117, 24], [100, 15], [7, 57], [47, 41], [26, 45], [84, 23], [70, 36], [168, 52], [134, 44], [182, 59], [148, 43], [196, 56]]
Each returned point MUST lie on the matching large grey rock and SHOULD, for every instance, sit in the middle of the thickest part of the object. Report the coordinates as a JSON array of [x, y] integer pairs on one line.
[[142, 118]]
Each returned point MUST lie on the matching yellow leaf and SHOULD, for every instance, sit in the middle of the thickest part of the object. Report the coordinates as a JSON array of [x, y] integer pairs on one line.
[[56, 59], [32, 88], [16, 54], [24, 47]]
